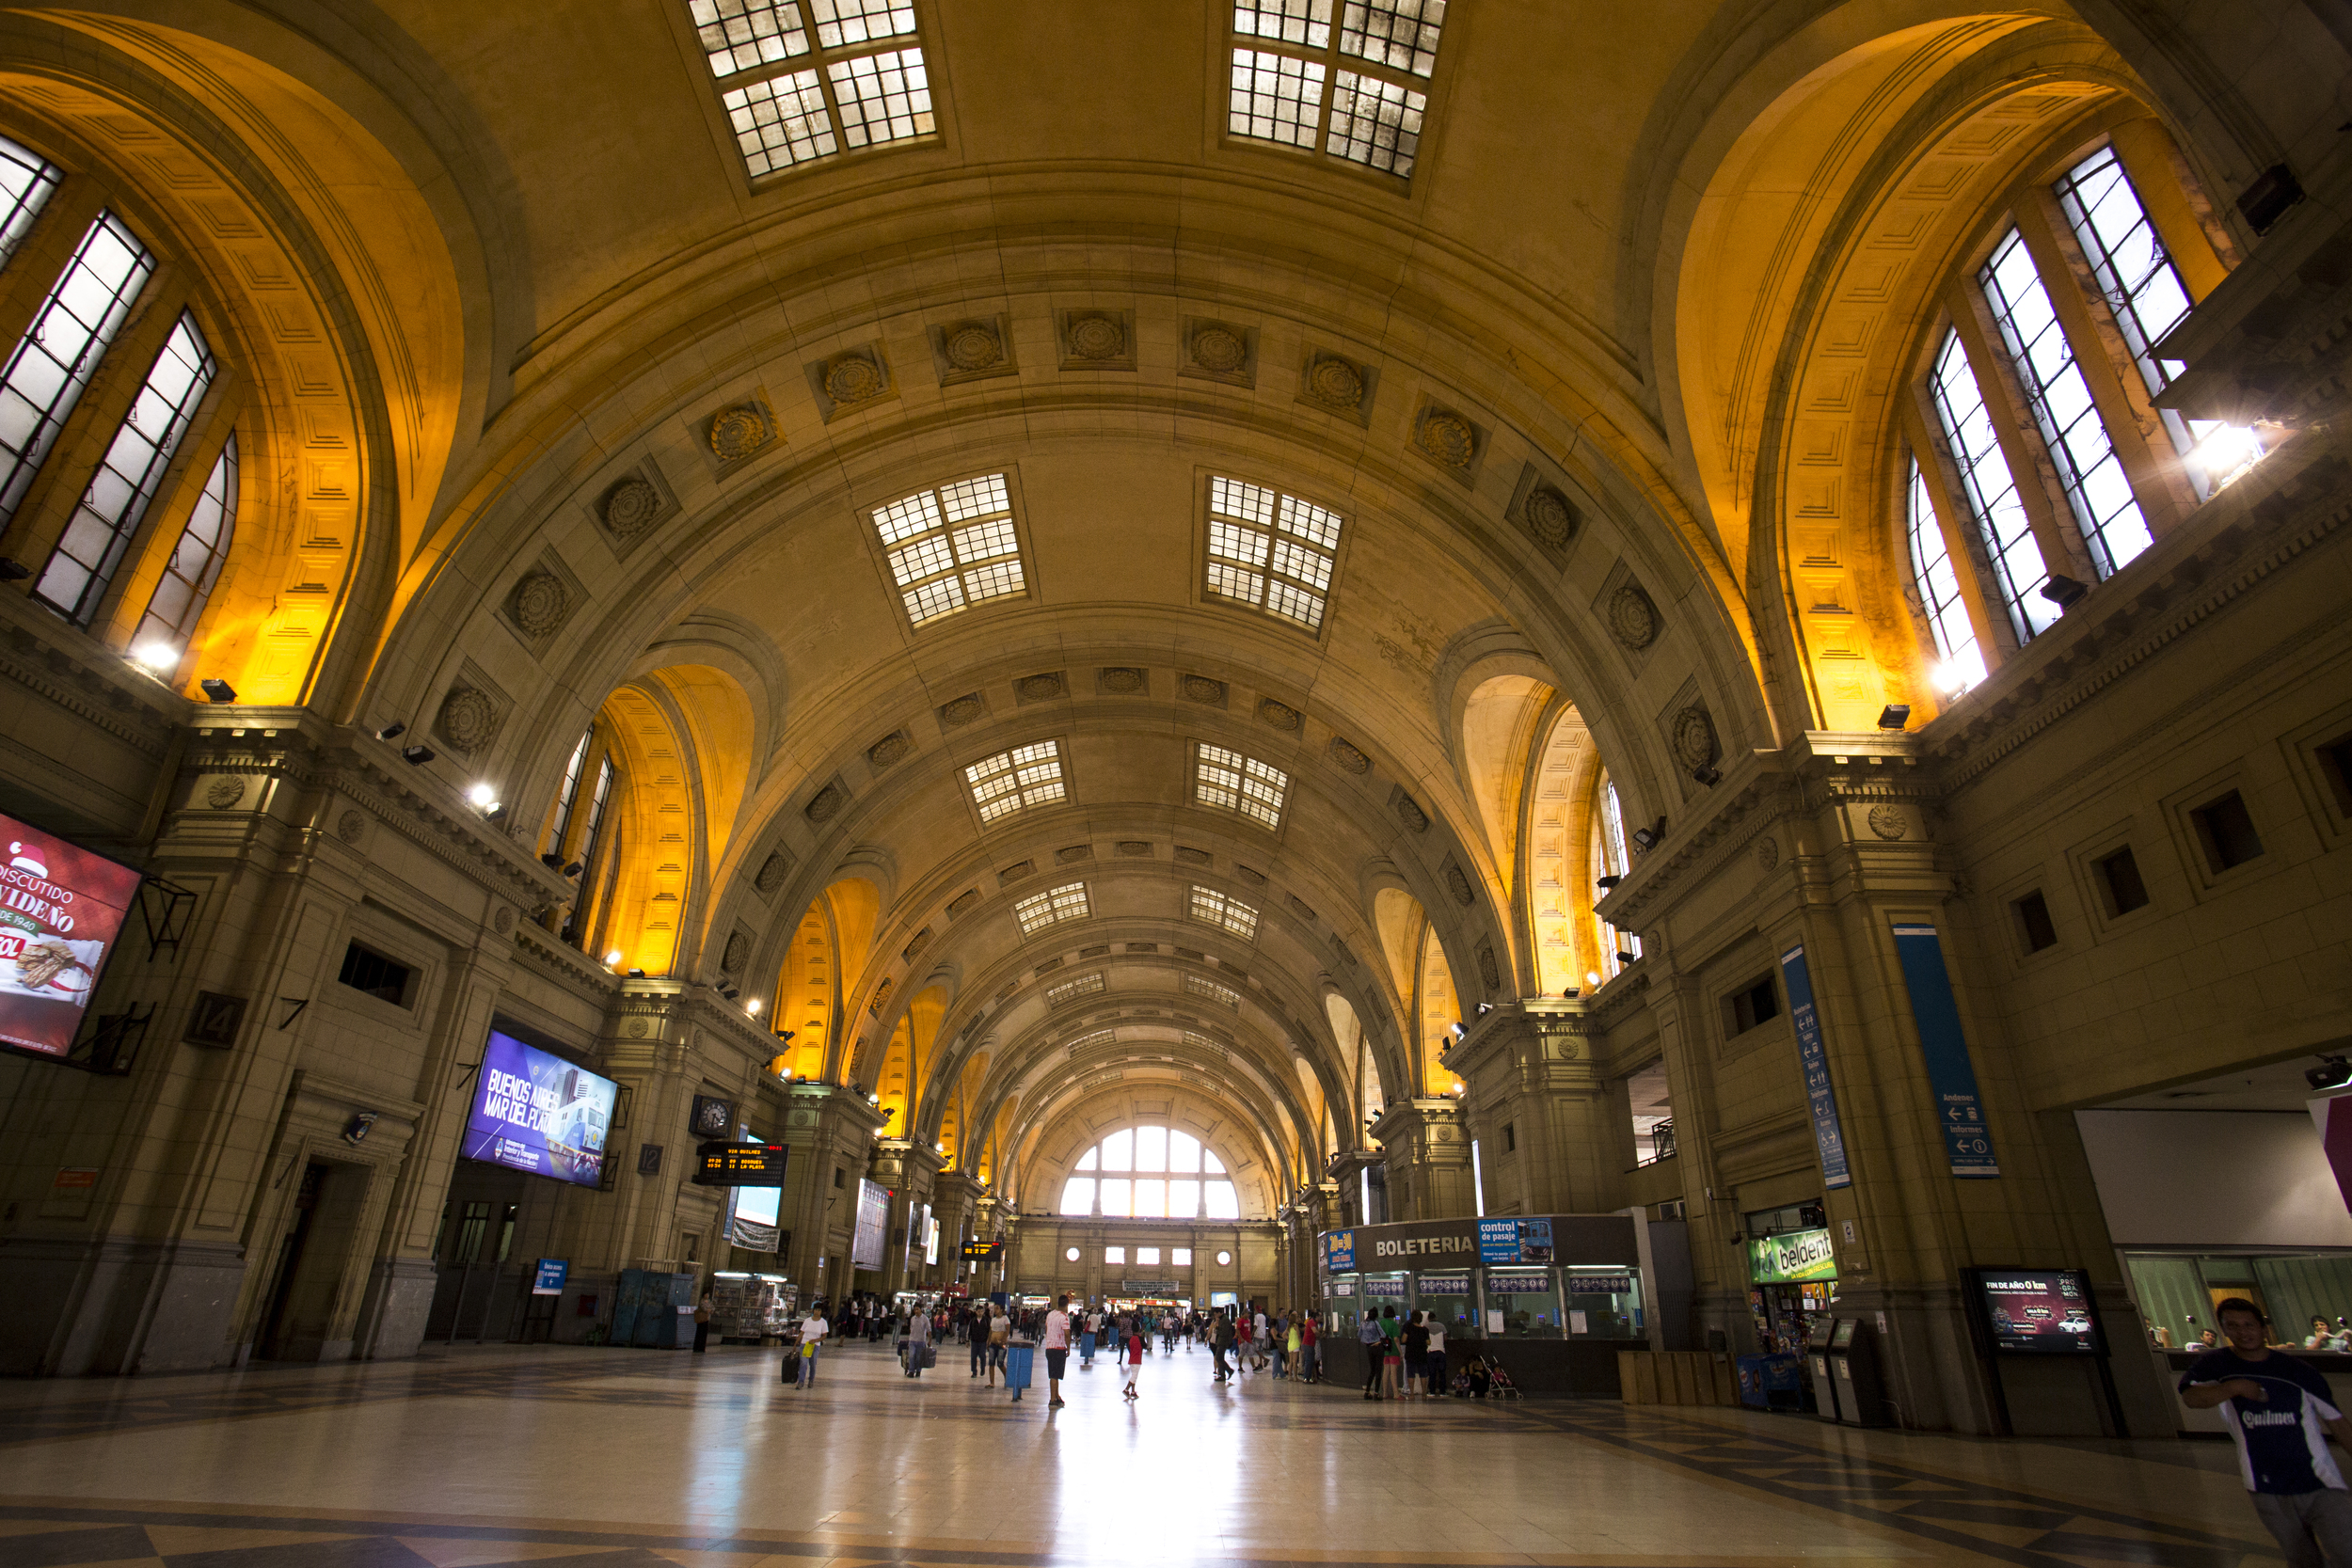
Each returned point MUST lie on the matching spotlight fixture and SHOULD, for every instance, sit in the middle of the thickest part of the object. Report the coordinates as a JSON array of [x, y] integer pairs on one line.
[[636, 974], [785, 1034], [613, 957], [752, 1006], [482, 796], [1646, 838], [730, 993], [495, 810], [1483, 1008], [2064, 592], [1607, 881], [1708, 775], [160, 657], [1894, 716], [1624, 958], [392, 731], [13, 571], [217, 690], [1592, 978], [573, 869], [1572, 993], [416, 756], [551, 861], [2333, 1072]]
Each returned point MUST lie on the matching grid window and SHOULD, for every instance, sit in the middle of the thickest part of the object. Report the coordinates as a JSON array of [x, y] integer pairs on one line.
[[1073, 991], [1230, 781], [884, 97], [1938, 585], [1208, 989], [1272, 551], [1221, 909], [178, 602], [1993, 507], [1015, 780], [27, 180], [561, 824], [802, 80], [742, 35], [1287, 53], [952, 548], [2144, 291], [576, 923], [111, 510], [1611, 831], [1099, 1038], [53, 365], [1160, 1179], [1051, 907], [2092, 475]]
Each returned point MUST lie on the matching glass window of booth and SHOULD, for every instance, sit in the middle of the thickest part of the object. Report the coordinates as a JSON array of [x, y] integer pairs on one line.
[[1522, 1304], [1604, 1303], [1447, 1298], [2177, 1292], [1342, 1306]]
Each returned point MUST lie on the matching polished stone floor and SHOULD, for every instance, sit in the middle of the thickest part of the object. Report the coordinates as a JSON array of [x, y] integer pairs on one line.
[[618, 1458]]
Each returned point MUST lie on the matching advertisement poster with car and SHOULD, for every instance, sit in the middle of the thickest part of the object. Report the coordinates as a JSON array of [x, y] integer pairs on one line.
[[60, 909], [2041, 1311], [534, 1111]]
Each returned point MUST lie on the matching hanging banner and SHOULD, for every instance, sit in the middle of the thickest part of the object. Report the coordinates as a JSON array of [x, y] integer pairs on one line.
[[1950, 1075], [1828, 1136]]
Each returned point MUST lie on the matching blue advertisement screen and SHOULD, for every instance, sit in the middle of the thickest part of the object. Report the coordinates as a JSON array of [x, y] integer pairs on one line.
[[537, 1112]]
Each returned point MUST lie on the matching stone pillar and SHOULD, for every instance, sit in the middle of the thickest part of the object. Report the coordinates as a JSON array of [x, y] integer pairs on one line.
[[954, 1206], [1427, 1154], [831, 1133], [1539, 1107]]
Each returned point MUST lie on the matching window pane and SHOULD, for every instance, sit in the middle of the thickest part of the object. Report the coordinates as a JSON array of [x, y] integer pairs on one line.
[[1114, 1255], [1181, 1257], [1276, 98], [1184, 1151], [781, 122], [1092, 1160], [1152, 1198], [60, 351], [1213, 1164], [1115, 1195], [1307, 22], [1078, 1195], [882, 97], [1223, 1203], [1150, 1148], [845, 22], [1119, 1151], [738, 35], [1376, 123], [1402, 34], [1147, 1256], [1184, 1202], [1999, 516], [1938, 586], [27, 180]]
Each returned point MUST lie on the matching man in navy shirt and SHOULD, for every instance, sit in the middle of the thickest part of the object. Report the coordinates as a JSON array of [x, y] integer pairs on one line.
[[2281, 1413]]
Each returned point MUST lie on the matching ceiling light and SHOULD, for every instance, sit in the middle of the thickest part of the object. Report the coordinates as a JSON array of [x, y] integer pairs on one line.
[[2333, 1072], [392, 731], [636, 974], [482, 795], [1607, 881], [752, 1006], [1592, 976], [162, 658], [2225, 453], [217, 690], [1956, 675], [416, 756], [1894, 716], [1483, 1008], [613, 957], [1624, 958], [2064, 592]]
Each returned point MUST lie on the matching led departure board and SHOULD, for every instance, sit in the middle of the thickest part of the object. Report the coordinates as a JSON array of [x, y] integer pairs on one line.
[[733, 1165]]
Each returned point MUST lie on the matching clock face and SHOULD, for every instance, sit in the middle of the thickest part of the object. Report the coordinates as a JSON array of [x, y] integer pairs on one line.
[[712, 1117]]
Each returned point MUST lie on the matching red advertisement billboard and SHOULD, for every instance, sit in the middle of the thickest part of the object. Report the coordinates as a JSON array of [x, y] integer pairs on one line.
[[61, 909], [2041, 1311]]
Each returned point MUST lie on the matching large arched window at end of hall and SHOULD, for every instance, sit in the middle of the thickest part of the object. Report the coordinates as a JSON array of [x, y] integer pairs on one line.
[[1151, 1172]]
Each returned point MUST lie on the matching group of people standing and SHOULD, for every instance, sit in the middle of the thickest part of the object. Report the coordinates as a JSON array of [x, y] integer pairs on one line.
[[1402, 1360]]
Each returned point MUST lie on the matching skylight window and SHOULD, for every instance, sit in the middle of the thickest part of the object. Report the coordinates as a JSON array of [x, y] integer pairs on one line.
[[850, 93], [27, 180], [1073, 991], [180, 597], [1224, 996], [1016, 780], [1230, 781], [1271, 551], [1051, 907], [60, 351], [1100, 1037], [1356, 91], [1222, 910], [1992, 492], [1939, 591], [952, 548]]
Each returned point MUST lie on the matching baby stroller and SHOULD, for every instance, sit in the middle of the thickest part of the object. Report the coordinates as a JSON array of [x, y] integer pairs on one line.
[[1498, 1384]]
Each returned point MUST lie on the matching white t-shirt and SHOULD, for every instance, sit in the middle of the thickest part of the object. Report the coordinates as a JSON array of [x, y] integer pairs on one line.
[[814, 1328], [1094, 1322], [1000, 1324], [1057, 1331], [1437, 1336]]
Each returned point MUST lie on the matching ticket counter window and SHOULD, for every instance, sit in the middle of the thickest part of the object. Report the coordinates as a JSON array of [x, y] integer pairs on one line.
[[1385, 1293], [1342, 1306], [1522, 1304], [1604, 1303], [1446, 1297]]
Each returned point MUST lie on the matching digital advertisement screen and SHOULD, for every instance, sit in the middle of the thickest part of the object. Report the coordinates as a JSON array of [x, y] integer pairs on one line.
[[873, 1225], [537, 1112], [756, 1223], [2040, 1311], [60, 909]]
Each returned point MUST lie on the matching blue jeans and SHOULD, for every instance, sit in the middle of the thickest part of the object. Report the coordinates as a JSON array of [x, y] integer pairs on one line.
[[808, 1366]]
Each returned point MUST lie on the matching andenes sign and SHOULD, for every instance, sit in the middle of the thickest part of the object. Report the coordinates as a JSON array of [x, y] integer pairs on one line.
[[1790, 1256]]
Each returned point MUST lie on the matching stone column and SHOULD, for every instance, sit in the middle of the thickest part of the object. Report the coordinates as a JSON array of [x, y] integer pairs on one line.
[[958, 1193], [1427, 1154], [1539, 1106]]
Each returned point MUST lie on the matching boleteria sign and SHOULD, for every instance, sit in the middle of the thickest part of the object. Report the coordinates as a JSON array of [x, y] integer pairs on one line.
[[61, 909]]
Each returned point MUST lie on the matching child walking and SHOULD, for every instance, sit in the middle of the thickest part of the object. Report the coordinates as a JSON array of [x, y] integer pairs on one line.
[[1135, 1359]]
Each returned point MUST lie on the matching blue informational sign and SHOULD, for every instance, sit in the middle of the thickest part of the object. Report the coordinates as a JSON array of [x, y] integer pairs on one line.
[[1338, 1251], [1498, 1241], [537, 1112], [1384, 1288], [1828, 1138], [1950, 1075], [1445, 1285], [548, 1282]]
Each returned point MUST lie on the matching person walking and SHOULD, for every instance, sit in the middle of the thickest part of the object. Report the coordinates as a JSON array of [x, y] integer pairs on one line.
[[701, 1323], [813, 1331], [1434, 1372], [999, 1337], [918, 1341], [1092, 1327], [1311, 1360], [1416, 1355], [1135, 1348], [1056, 1348], [1287, 1351], [1375, 1345], [1220, 1332], [2280, 1413]]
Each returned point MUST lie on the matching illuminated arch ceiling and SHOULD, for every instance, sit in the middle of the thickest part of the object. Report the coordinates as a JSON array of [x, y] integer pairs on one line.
[[697, 391]]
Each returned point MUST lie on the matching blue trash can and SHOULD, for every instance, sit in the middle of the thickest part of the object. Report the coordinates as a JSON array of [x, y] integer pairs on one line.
[[1019, 1356]]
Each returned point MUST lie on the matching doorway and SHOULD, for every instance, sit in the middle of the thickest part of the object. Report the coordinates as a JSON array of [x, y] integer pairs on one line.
[[271, 1343]]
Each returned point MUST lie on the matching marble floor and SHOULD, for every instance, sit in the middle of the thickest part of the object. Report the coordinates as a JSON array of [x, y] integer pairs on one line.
[[615, 1458]]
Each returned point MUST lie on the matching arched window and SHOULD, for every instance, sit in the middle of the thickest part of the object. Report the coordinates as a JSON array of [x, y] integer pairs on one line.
[[2039, 477], [577, 836], [1151, 1172], [1609, 852], [194, 566]]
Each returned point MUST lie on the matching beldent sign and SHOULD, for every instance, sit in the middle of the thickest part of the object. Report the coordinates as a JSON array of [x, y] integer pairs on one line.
[[1784, 1259]]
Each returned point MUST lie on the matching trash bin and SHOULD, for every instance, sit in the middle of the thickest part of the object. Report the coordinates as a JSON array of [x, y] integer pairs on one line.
[[1019, 1354]]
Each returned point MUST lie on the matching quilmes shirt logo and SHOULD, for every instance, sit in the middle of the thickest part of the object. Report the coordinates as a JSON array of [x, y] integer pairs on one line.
[[2267, 1418]]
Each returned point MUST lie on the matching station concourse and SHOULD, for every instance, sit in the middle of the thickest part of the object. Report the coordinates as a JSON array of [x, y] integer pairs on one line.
[[1656, 698]]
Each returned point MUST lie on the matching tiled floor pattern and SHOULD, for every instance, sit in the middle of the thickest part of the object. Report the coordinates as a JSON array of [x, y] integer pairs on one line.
[[616, 1458]]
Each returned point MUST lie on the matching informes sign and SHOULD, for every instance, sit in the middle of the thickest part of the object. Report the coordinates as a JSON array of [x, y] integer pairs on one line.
[[538, 1113], [1338, 1251], [873, 1225], [1828, 1138], [1790, 1256], [61, 909], [2039, 1312], [1950, 1075], [548, 1280], [1514, 1240]]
